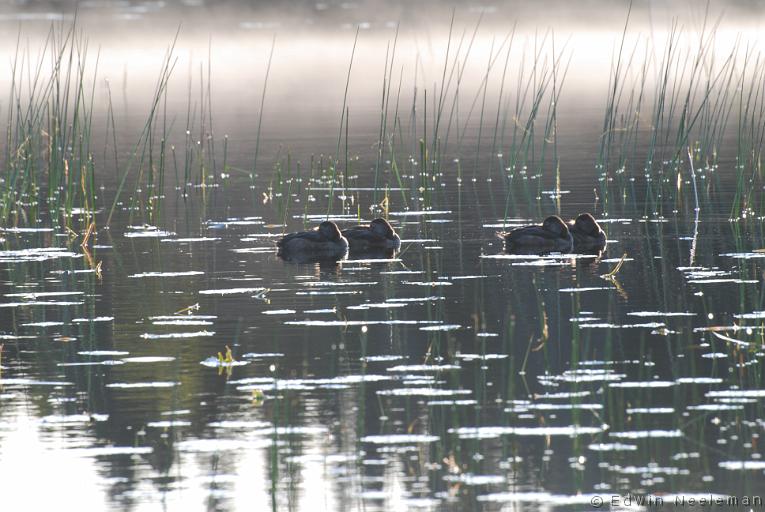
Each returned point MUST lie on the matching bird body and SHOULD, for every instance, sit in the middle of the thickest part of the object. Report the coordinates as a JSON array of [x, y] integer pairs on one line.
[[325, 241], [379, 234], [551, 236], [586, 232]]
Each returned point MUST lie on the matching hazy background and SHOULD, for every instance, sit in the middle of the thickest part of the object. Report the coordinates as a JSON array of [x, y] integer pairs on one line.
[[223, 47]]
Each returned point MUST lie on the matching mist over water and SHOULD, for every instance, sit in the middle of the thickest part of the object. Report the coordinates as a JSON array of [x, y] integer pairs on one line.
[[223, 49], [170, 360]]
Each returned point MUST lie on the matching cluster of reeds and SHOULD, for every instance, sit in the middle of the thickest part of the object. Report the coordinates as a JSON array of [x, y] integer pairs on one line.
[[666, 98], [665, 94], [419, 149], [50, 158], [48, 161]]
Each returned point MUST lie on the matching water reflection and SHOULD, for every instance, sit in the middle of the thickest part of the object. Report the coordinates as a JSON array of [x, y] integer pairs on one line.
[[393, 368]]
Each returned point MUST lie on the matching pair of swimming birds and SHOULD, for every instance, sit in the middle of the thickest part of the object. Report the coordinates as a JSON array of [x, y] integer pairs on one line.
[[327, 241], [553, 235]]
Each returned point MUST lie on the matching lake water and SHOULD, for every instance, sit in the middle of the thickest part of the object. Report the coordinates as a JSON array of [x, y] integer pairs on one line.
[[451, 375]]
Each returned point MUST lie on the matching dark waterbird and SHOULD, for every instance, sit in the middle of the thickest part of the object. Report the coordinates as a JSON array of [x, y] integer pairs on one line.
[[587, 233], [552, 236], [323, 242], [378, 235]]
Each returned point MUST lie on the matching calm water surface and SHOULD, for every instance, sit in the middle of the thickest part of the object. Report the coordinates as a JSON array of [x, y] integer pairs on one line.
[[448, 376]]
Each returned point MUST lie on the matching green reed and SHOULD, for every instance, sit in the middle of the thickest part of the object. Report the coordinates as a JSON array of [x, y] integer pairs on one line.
[[391, 142], [384, 108], [253, 175], [342, 123], [139, 152]]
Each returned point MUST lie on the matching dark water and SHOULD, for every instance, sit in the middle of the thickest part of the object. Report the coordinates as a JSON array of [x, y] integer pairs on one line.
[[448, 376]]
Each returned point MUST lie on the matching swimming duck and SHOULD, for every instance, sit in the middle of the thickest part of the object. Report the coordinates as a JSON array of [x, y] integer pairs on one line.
[[325, 241], [552, 235], [586, 232], [379, 234]]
